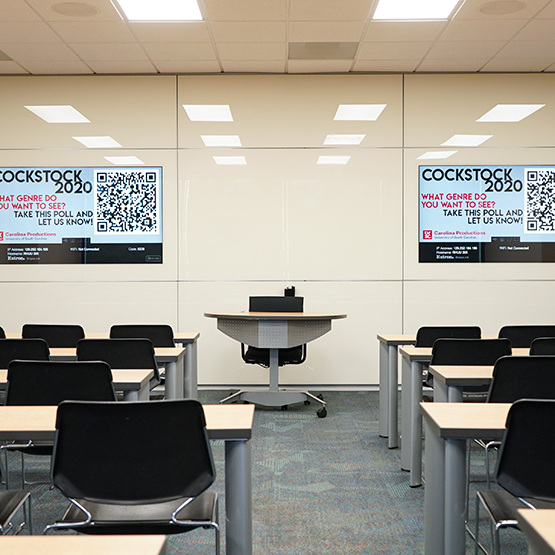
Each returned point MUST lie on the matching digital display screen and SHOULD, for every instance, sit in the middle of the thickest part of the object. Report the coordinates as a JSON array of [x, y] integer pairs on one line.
[[81, 215], [486, 214]]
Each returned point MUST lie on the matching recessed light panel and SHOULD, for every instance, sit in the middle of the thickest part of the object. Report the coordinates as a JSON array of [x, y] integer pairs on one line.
[[98, 142], [221, 140], [510, 112], [414, 10], [124, 160], [208, 112], [323, 160], [336, 139], [466, 140], [359, 112], [437, 155], [230, 160], [160, 10], [58, 114]]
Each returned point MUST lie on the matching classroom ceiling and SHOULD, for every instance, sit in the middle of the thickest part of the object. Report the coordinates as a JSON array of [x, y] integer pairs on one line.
[[54, 37]]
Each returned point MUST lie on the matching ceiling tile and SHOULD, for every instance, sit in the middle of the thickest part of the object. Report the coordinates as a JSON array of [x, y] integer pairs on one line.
[[455, 50], [529, 49], [452, 65], [271, 66], [392, 50], [329, 10], [118, 66], [112, 51], [29, 31], [188, 66], [51, 67], [471, 10], [389, 31], [480, 29], [516, 64], [17, 10], [105, 10], [245, 10], [319, 66], [245, 51], [325, 31], [93, 31], [538, 30], [403, 66], [190, 31], [249, 31], [9, 68], [180, 51], [37, 52]]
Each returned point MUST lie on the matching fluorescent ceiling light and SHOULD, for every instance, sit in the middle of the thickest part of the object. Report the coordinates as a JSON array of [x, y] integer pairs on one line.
[[58, 114], [160, 10], [98, 142], [124, 160], [510, 112], [335, 139], [333, 159], [359, 112], [414, 9], [466, 140], [221, 140], [230, 160], [436, 155], [208, 112]]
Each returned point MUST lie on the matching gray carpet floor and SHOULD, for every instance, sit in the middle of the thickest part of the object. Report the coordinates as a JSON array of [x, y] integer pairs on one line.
[[320, 486]]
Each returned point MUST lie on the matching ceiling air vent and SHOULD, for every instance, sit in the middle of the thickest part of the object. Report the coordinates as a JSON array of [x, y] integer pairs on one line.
[[322, 50]]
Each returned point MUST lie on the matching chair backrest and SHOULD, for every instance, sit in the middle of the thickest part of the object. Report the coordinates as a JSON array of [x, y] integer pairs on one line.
[[276, 304], [33, 382], [525, 460], [161, 335], [524, 377], [522, 336], [469, 351], [543, 346], [56, 335], [137, 353], [2, 333], [23, 349], [427, 335], [132, 452]]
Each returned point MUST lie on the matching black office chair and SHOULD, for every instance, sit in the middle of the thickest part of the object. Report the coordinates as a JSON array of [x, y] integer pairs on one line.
[[56, 335], [524, 467], [469, 351], [522, 336], [134, 468], [427, 335], [32, 382], [2, 333], [543, 346], [23, 349], [121, 354], [161, 335], [11, 501]]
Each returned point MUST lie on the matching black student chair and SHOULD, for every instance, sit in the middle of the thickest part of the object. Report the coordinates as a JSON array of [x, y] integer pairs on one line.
[[23, 349], [161, 335], [522, 336], [543, 346], [2, 333], [11, 502], [524, 467], [427, 335], [121, 354], [32, 382], [56, 335], [134, 468]]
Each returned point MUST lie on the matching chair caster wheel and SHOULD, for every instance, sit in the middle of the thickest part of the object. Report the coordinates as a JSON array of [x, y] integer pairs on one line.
[[307, 402], [322, 413], [284, 407], [320, 396]]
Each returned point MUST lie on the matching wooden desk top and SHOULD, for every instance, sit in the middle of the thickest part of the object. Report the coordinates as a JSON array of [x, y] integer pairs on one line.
[[539, 528], [425, 353], [83, 544], [123, 379], [275, 315], [462, 375], [178, 337], [39, 423], [466, 420], [162, 354]]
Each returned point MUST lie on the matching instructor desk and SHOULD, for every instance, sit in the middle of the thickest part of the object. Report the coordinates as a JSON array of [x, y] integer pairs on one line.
[[230, 423]]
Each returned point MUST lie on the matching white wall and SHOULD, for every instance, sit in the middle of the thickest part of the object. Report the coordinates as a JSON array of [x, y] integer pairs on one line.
[[345, 236]]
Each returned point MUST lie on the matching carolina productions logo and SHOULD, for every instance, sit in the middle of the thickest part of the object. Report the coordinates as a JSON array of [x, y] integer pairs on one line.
[[1, 235], [427, 234]]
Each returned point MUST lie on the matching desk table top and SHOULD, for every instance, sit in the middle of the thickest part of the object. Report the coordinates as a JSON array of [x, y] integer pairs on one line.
[[539, 528], [462, 375], [275, 315], [466, 420]]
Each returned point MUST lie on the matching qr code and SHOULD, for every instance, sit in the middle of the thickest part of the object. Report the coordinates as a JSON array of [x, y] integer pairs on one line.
[[540, 200], [126, 201]]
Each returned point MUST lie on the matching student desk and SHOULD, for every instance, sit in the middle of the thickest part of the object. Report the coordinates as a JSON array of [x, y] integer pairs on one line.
[[388, 423], [274, 331], [133, 383], [539, 528], [449, 381], [413, 360], [83, 545], [230, 423], [171, 357], [186, 377], [448, 426]]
